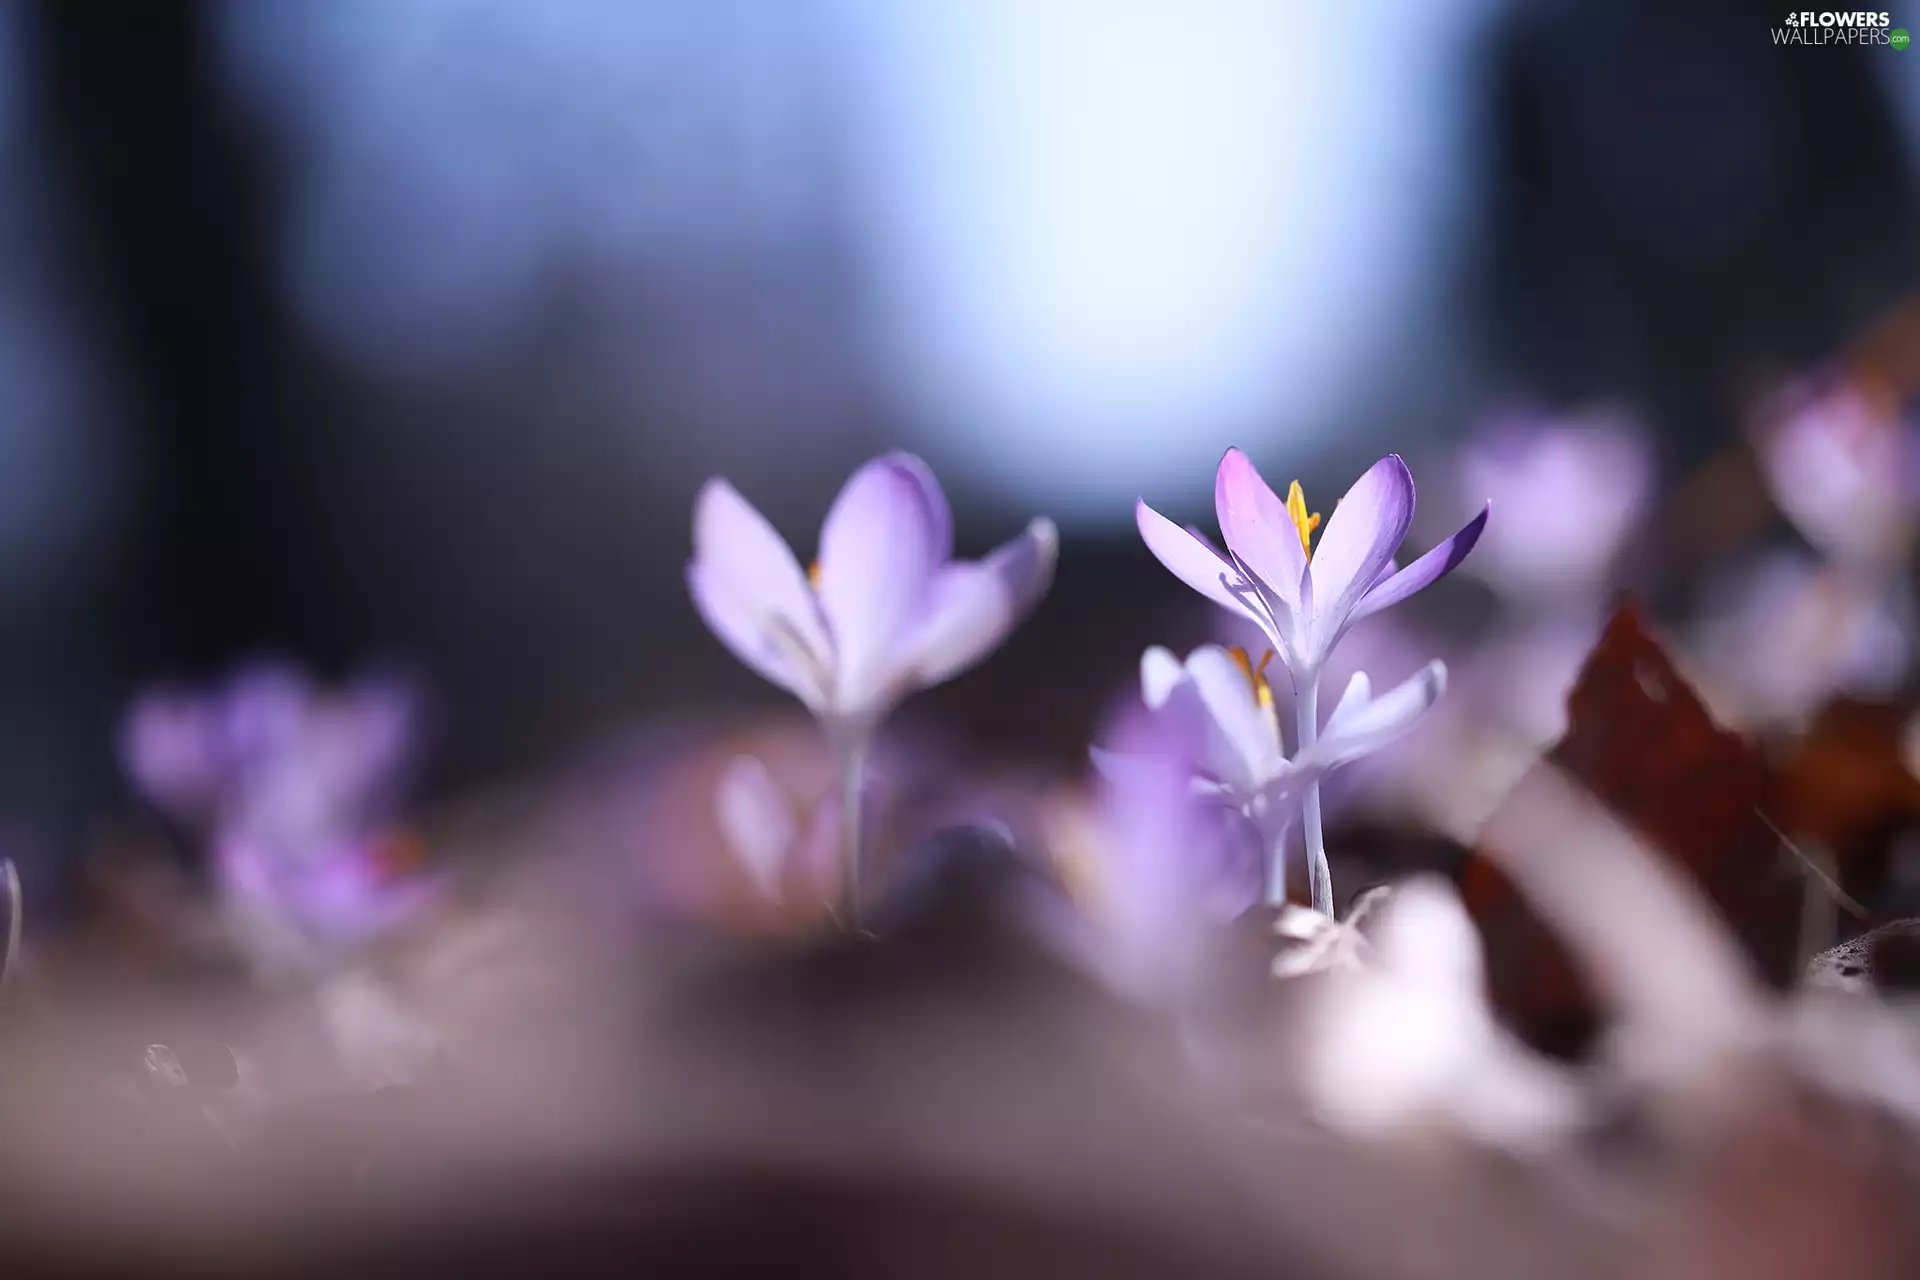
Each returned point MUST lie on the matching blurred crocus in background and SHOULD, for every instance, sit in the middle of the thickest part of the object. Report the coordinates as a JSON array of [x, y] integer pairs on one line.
[[293, 789], [1845, 468], [1572, 489], [1155, 870], [885, 609]]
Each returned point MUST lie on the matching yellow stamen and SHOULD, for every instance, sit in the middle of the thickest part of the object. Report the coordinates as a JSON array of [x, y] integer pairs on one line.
[[1297, 511], [1256, 675], [813, 575]]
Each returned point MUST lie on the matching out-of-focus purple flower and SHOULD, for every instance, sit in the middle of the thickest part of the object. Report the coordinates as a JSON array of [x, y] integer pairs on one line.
[[1784, 633], [884, 611], [1846, 474], [292, 914], [1303, 597], [292, 788], [1569, 493], [1160, 870]]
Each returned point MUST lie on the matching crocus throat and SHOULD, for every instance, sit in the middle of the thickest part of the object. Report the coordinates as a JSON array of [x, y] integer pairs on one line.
[[1306, 524], [1256, 675], [813, 572]]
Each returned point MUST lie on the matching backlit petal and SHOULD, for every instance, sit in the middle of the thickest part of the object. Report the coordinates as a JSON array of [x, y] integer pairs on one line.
[[879, 550], [1191, 558], [750, 574], [1258, 530], [1425, 571], [754, 642], [1248, 730], [1375, 723], [1362, 534], [1160, 672], [972, 606]]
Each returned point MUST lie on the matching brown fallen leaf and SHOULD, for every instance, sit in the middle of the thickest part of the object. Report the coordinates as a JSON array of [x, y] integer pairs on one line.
[[1844, 787], [1640, 739]]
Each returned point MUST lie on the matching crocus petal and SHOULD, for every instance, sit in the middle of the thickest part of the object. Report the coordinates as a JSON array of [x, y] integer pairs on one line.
[[745, 633], [1192, 559], [933, 496], [756, 820], [1363, 532], [1160, 673], [1353, 698], [879, 549], [1250, 732], [1258, 530], [972, 606], [748, 577], [1425, 571], [1373, 724]]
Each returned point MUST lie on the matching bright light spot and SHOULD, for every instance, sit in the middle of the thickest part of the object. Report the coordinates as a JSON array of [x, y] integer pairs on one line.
[[1112, 239]]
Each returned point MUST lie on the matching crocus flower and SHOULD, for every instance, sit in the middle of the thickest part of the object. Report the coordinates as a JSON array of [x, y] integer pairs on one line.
[[292, 789], [1304, 603], [1304, 597], [1240, 756], [884, 611]]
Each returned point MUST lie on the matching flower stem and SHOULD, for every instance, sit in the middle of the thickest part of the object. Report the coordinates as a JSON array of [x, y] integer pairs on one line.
[[1275, 834], [853, 767], [1319, 874]]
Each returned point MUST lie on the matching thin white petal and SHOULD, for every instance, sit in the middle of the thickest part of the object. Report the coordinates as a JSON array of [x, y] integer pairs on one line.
[[1249, 730], [1160, 671], [1379, 721]]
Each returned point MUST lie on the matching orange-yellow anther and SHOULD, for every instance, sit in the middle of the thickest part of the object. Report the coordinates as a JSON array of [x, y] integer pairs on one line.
[[1256, 675], [1297, 511], [813, 575]]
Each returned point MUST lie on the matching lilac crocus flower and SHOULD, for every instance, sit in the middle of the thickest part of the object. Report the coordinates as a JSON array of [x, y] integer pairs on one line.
[[291, 787], [1305, 598], [885, 610], [1241, 759]]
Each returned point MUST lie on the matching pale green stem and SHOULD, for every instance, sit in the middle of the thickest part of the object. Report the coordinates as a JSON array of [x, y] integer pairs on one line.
[[1319, 875]]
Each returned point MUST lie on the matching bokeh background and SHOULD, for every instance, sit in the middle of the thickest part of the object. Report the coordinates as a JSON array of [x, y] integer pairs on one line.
[[403, 331]]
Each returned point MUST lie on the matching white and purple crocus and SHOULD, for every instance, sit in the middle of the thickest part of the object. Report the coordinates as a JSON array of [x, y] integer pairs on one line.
[[1239, 758], [1305, 597], [884, 611]]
